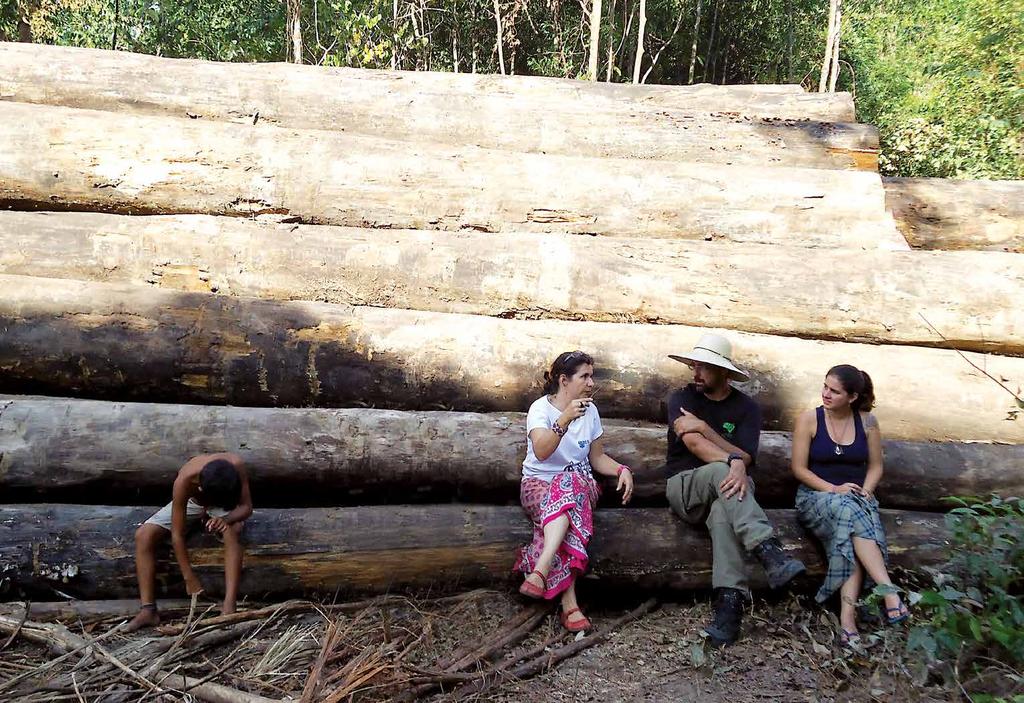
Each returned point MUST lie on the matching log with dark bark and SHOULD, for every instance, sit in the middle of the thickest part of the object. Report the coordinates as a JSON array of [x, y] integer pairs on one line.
[[120, 342], [87, 551], [886, 297], [95, 451], [66, 158], [361, 99], [90, 610], [937, 213]]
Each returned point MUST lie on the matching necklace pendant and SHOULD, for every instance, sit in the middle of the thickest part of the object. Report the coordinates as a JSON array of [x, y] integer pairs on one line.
[[839, 450]]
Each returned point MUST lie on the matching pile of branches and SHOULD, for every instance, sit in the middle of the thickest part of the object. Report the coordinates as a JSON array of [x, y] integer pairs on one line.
[[387, 648]]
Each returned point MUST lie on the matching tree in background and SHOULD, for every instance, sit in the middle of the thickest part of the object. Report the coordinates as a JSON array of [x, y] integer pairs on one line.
[[941, 78], [944, 82]]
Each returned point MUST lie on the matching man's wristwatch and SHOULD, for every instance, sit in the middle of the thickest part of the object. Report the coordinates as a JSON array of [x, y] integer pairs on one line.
[[729, 460]]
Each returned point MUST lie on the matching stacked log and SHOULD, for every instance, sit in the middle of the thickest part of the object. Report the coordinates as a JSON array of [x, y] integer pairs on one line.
[[66, 158], [87, 552], [379, 265], [84, 451], [123, 342], [935, 213], [488, 110], [524, 275]]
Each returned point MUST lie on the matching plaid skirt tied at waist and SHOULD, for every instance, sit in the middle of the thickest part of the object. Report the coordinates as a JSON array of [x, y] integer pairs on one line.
[[574, 495], [835, 519]]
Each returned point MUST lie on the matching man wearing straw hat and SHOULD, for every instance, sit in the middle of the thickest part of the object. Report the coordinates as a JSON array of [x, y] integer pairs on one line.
[[713, 433]]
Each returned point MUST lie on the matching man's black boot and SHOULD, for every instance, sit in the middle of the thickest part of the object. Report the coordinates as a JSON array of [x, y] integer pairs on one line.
[[780, 568], [728, 614]]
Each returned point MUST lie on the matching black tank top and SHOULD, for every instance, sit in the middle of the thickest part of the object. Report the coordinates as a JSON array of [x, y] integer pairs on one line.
[[849, 466]]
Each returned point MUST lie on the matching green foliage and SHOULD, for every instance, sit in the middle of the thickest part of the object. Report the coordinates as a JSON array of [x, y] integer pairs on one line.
[[974, 610], [219, 30], [944, 81]]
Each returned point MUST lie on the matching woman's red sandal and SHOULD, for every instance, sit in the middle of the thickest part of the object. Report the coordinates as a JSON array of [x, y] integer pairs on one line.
[[577, 626], [533, 591]]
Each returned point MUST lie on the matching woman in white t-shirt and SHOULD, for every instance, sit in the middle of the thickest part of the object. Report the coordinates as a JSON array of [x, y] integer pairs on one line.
[[558, 492]]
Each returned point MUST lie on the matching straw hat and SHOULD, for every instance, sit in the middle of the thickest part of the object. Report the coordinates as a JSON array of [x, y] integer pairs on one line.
[[716, 350]]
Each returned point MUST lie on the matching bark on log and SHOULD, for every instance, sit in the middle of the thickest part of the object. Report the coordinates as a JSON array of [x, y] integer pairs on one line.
[[935, 213], [87, 551], [90, 610], [886, 297], [80, 451], [119, 342], [64, 158], [328, 97]]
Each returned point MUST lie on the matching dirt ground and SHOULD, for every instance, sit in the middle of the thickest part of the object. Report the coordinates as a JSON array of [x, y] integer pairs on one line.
[[387, 651]]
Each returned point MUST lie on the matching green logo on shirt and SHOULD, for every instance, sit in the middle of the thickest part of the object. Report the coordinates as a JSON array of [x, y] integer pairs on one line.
[[729, 427]]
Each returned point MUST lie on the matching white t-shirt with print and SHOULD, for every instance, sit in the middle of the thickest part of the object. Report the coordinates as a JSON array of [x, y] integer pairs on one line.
[[572, 453]]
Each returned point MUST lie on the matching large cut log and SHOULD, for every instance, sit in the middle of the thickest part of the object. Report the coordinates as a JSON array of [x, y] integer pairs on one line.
[[344, 98], [87, 551], [884, 297], [121, 342], [576, 122], [65, 158], [936, 213], [81, 451]]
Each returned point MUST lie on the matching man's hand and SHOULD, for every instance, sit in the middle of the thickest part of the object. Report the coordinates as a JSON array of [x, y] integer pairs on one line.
[[686, 423], [735, 483], [193, 586], [217, 524], [625, 485]]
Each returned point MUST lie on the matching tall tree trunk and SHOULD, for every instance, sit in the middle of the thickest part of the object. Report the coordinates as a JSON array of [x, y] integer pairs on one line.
[[294, 30], [693, 49], [500, 38], [708, 69], [611, 43], [641, 28], [117, 22], [835, 48], [595, 39], [789, 41], [394, 35], [25, 10], [455, 38], [830, 37]]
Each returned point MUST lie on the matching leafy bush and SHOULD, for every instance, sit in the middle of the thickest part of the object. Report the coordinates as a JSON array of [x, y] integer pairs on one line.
[[973, 615]]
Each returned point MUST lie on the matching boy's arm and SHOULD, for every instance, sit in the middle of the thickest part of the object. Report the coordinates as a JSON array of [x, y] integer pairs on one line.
[[179, 501], [243, 510]]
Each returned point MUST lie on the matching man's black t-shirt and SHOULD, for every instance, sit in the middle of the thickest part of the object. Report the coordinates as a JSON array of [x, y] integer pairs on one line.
[[737, 418]]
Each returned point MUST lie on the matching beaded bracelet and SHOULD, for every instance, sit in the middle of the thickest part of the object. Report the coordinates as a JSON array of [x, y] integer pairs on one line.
[[623, 467], [557, 429]]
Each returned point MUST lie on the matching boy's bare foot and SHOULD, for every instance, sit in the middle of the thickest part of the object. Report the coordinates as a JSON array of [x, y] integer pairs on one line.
[[227, 608], [147, 617]]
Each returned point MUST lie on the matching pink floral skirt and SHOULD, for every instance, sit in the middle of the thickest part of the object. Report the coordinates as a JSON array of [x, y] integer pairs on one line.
[[571, 494]]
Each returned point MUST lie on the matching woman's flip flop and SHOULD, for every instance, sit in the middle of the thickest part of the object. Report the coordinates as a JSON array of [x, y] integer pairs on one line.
[[895, 616], [849, 638]]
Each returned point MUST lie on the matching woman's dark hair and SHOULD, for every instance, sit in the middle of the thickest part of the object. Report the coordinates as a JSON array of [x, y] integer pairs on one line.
[[221, 485], [565, 363], [856, 381]]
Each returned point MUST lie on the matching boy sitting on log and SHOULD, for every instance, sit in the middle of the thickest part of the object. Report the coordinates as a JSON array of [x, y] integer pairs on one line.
[[213, 489]]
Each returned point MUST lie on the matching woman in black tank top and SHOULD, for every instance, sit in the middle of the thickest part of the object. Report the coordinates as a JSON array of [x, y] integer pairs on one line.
[[837, 457]]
